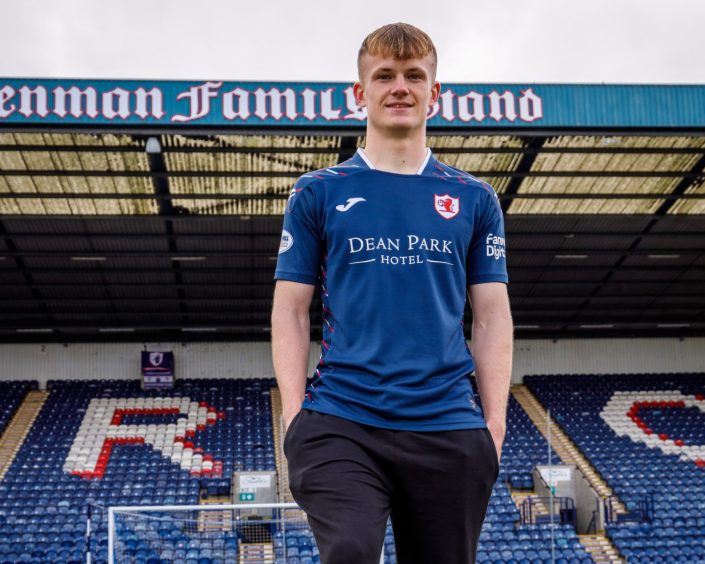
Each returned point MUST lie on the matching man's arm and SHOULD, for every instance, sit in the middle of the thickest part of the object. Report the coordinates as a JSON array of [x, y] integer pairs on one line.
[[492, 350], [291, 339]]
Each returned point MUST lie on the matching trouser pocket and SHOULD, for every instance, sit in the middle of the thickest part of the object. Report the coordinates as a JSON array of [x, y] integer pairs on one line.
[[493, 450], [289, 431]]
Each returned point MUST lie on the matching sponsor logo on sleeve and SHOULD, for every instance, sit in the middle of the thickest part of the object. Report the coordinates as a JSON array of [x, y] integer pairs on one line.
[[286, 242], [495, 246], [446, 206]]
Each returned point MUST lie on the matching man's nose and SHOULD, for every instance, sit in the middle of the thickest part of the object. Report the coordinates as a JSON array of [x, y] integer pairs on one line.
[[400, 87]]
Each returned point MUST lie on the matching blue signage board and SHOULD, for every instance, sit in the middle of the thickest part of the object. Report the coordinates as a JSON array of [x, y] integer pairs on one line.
[[189, 104], [157, 370]]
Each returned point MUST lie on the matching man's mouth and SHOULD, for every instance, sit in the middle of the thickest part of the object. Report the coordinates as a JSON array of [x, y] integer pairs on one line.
[[399, 105]]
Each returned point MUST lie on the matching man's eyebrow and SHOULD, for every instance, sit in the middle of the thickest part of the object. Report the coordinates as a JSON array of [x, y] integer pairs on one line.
[[389, 69]]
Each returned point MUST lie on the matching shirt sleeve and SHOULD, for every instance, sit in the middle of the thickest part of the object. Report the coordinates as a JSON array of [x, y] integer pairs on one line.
[[299, 258], [487, 258]]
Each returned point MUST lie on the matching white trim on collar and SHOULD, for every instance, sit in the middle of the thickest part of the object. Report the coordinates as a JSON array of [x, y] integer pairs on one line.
[[425, 161], [372, 167], [363, 156]]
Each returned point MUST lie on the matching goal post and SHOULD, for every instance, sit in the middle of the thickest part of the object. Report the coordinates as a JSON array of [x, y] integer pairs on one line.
[[212, 533], [261, 533]]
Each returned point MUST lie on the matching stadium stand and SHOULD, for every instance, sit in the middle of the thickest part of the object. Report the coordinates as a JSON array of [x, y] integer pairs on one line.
[[505, 536], [524, 448], [53, 484], [645, 435], [43, 506], [651, 458], [11, 395], [115, 227]]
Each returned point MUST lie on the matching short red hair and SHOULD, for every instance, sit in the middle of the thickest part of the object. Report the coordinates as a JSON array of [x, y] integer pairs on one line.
[[399, 40]]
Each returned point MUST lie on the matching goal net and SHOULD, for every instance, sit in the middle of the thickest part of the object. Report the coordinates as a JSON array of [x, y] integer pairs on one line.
[[264, 533], [210, 534]]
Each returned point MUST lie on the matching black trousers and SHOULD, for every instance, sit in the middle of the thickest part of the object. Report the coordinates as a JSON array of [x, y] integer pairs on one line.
[[349, 478]]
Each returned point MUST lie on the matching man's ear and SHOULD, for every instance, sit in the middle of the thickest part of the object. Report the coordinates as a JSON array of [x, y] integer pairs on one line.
[[435, 92], [359, 93]]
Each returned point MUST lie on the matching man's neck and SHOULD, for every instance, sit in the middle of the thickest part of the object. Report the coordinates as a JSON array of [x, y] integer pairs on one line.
[[403, 156]]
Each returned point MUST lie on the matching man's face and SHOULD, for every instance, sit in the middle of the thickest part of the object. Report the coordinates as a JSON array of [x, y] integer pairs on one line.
[[396, 93]]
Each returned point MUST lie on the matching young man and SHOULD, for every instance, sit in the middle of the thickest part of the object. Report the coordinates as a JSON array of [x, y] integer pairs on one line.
[[395, 240]]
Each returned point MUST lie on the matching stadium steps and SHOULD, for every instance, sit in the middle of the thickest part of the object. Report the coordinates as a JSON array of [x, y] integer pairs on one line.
[[18, 428], [600, 548], [215, 500], [564, 447], [520, 496], [214, 520], [256, 553], [282, 468]]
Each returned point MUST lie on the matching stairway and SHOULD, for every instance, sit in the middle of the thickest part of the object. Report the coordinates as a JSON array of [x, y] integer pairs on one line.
[[600, 548], [215, 519], [567, 451], [282, 468], [538, 507], [256, 553], [278, 430], [16, 431]]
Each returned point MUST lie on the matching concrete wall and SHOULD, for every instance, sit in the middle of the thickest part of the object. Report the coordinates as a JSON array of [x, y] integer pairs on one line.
[[578, 489], [586, 502], [246, 360], [607, 356], [122, 360]]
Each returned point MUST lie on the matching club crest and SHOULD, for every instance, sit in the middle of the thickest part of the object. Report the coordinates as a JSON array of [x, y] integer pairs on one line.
[[286, 241], [446, 206], [155, 358]]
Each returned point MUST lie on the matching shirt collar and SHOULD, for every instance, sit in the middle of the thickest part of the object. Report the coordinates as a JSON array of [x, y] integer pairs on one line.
[[360, 159]]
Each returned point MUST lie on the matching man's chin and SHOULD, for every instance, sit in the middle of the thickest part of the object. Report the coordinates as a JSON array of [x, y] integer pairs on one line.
[[400, 128]]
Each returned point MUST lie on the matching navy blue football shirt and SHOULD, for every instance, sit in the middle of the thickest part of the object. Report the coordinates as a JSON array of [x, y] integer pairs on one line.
[[393, 255]]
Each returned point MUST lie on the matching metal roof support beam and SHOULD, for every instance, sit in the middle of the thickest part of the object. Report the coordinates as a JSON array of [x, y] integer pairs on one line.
[[574, 255], [503, 196], [48, 173], [159, 175], [534, 144], [264, 306], [689, 179], [332, 150], [192, 237], [248, 285], [220, 270], [24, 271], [694, 175], [348, 146], [160, 181]]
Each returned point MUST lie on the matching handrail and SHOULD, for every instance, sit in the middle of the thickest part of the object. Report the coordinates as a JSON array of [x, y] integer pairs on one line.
[[566, 506], [642, 513]]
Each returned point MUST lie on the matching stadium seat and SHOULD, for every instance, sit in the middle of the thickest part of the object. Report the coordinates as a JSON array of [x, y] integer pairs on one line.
[[645, 435], [131, 474]]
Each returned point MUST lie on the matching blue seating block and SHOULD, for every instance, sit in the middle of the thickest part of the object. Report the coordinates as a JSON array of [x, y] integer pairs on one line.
[[636, 471]]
